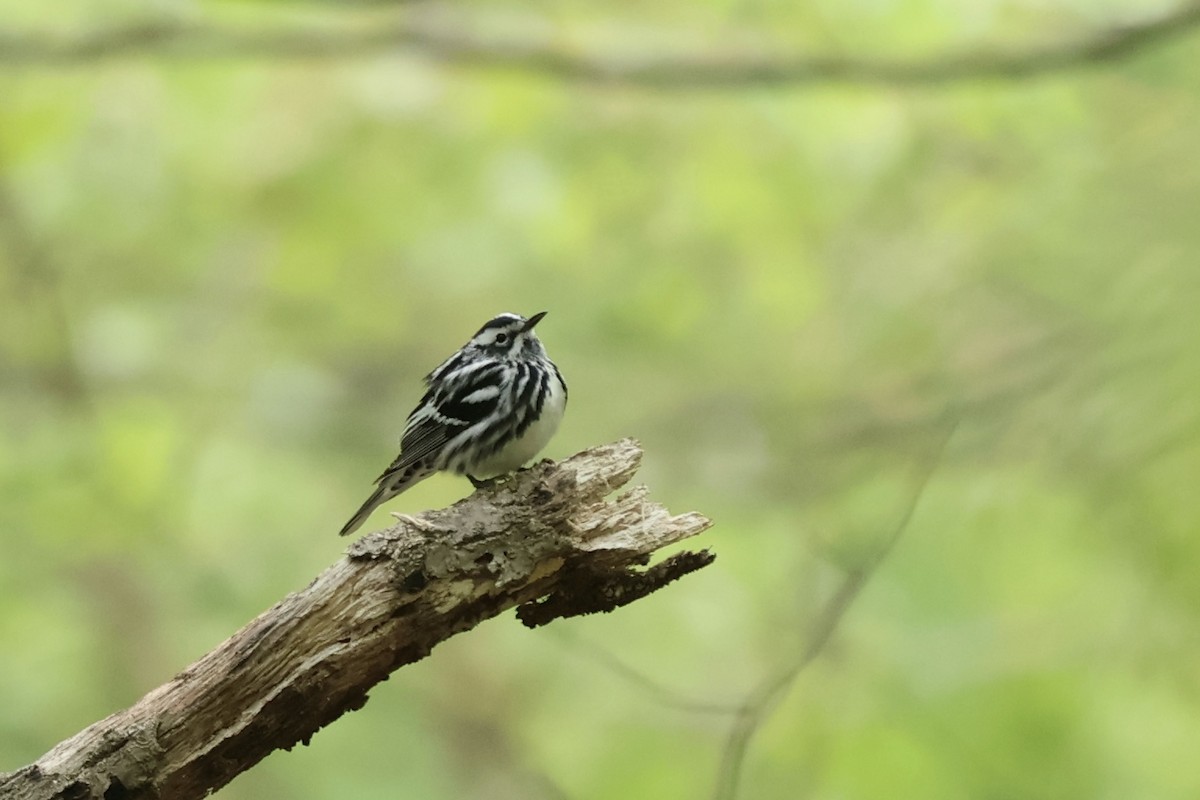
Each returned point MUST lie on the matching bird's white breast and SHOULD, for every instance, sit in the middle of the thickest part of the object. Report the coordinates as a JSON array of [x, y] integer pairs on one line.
[[521, 450]]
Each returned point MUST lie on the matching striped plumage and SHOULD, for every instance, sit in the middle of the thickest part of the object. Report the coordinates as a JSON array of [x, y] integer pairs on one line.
[[488, 409]]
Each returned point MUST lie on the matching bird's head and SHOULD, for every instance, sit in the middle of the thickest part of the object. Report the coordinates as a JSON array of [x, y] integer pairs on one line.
[[510, 336]]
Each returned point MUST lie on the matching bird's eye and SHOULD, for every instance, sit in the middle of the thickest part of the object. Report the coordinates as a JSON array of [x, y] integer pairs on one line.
[[501, 338]]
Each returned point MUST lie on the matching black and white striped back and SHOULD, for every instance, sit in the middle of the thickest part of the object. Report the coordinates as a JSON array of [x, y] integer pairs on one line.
[[488, 409]]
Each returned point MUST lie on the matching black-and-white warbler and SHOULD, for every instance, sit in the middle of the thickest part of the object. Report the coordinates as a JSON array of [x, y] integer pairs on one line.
[[489, 408]]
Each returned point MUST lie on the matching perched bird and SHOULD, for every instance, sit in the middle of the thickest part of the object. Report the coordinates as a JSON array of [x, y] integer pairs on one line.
[[488, 409]]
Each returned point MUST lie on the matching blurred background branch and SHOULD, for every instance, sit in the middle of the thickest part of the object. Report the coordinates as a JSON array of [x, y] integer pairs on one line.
[[453, 43], [38, 297], [765, 698]]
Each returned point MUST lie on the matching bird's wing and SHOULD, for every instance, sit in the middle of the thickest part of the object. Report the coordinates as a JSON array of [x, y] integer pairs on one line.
[[447, 409]]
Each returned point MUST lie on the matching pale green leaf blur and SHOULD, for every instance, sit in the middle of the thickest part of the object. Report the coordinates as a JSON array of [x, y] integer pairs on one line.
[[222, 280]]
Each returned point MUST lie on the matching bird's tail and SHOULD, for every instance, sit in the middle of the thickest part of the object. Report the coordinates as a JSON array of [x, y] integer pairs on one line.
[[389, 486], [377, 497]]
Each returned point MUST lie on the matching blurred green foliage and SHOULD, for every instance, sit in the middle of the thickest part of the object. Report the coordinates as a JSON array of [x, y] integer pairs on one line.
[[223, 279]]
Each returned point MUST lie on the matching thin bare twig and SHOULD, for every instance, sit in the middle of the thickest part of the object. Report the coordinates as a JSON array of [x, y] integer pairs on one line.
[[665, 694], [762, 702], [450, 44]]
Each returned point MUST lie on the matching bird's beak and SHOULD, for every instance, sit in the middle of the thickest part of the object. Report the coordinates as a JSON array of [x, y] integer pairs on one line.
[[534, 320]]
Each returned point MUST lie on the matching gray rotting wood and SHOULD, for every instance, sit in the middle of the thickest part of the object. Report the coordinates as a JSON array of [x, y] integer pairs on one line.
[[547, 541]]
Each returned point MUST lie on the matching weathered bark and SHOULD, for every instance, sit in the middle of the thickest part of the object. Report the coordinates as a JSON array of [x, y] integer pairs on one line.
[[546, 540]]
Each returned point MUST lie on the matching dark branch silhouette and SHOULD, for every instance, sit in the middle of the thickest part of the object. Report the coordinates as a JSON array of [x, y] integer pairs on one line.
[[451, 45]]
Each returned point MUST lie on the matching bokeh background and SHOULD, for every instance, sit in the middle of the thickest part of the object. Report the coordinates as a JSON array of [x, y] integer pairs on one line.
[[820, 304]]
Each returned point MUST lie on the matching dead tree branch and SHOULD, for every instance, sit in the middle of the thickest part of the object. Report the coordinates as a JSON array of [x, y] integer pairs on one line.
[[546, 541], [454, 44]]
